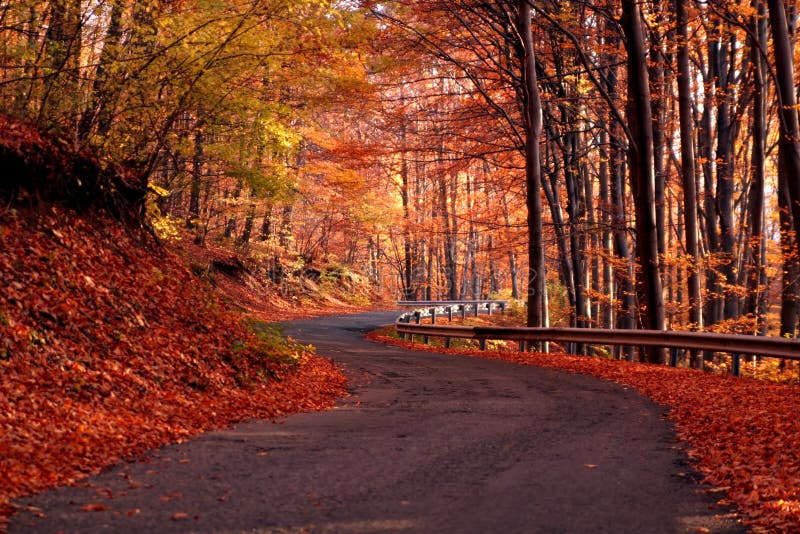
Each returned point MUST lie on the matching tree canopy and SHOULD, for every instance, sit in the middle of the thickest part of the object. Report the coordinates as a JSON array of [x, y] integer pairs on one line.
[[616, 165]]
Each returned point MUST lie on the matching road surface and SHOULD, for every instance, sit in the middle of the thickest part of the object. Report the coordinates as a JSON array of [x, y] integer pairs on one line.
[[425, 443]]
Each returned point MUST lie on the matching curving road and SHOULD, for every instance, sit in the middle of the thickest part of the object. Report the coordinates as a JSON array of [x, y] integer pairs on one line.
[[426, 443]]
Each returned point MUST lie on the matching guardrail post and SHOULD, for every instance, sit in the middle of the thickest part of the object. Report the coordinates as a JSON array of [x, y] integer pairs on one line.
[[449, 313], [489, 308], [463, 311], [482, 343], [433, 315], [417, 317], [476, 309], [447, 342], [523, 346], [736, 364], [502, 308], [673, 357]]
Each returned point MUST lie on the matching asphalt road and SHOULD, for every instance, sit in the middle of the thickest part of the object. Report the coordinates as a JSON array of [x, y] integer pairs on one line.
[[426, 443]]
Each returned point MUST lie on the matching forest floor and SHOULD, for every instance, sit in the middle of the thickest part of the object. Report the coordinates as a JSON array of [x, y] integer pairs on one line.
[[110, 345], [743, 433]]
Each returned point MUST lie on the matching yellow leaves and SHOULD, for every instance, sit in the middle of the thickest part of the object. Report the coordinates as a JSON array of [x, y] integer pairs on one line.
[[158, 190]]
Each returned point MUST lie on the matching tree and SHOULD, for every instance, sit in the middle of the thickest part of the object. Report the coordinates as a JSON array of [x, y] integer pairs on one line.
[[531, 102], [688, 169], [642, 174]]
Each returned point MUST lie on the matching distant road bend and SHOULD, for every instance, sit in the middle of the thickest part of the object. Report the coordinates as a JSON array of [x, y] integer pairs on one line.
[[426, 443]]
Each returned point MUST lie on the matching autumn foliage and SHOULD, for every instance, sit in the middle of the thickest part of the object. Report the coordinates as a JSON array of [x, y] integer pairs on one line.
[[110, 346], [743, 434]]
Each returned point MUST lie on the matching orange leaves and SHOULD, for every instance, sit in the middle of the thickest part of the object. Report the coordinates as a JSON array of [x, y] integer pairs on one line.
[[109, 347], [93, 507]]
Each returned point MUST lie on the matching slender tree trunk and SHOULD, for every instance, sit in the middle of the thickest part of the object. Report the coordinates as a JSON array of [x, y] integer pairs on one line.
[[553, 195], [247, 231], [451, 269], [689, 172], [713, 302], [512, 256], [408, 260], [97, 112], [725, 177], [607, 234], [594, 247], [626, 317], [63, 48], [658, 93], [625, 314], [757, 242], [642, 177], [790, 290], [537, 311], [789, 144], [266, 225], [193, 220], [571, 177]]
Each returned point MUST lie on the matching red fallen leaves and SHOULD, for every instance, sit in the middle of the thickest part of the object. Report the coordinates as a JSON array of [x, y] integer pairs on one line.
[[93, 507], [109, 348], [744, 434]]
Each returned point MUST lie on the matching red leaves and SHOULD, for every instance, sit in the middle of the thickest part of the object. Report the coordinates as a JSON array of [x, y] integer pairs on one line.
[[744, 434], [93, 507], [109, 348]]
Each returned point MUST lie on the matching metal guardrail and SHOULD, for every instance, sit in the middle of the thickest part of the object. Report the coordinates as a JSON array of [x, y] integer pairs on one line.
[[734, 344], [439, 308]]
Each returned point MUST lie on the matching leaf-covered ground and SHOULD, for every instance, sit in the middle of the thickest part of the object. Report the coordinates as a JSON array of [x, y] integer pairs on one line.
[[110, 347], [743, 434]]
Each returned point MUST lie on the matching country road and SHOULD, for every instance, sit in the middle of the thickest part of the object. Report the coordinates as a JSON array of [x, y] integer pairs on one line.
[[425, 443]]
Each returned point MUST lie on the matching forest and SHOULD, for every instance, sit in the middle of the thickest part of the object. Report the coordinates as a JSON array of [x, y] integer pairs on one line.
[[611, 164], [615, 165]]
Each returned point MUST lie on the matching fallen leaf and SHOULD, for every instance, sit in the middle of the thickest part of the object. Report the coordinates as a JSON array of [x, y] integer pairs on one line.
[[93, 507]]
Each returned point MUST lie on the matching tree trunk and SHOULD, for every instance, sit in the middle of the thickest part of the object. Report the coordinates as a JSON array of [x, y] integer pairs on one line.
[[756, 248], [62, 49], [537, 310], [789, 144], [553, 196], [192, 221], [97, 112], [790, 292], [607, 234], [626, 317], [725, 176], [409, 292], [688, 171], [642, 177], [713, 303], [247, 231]]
